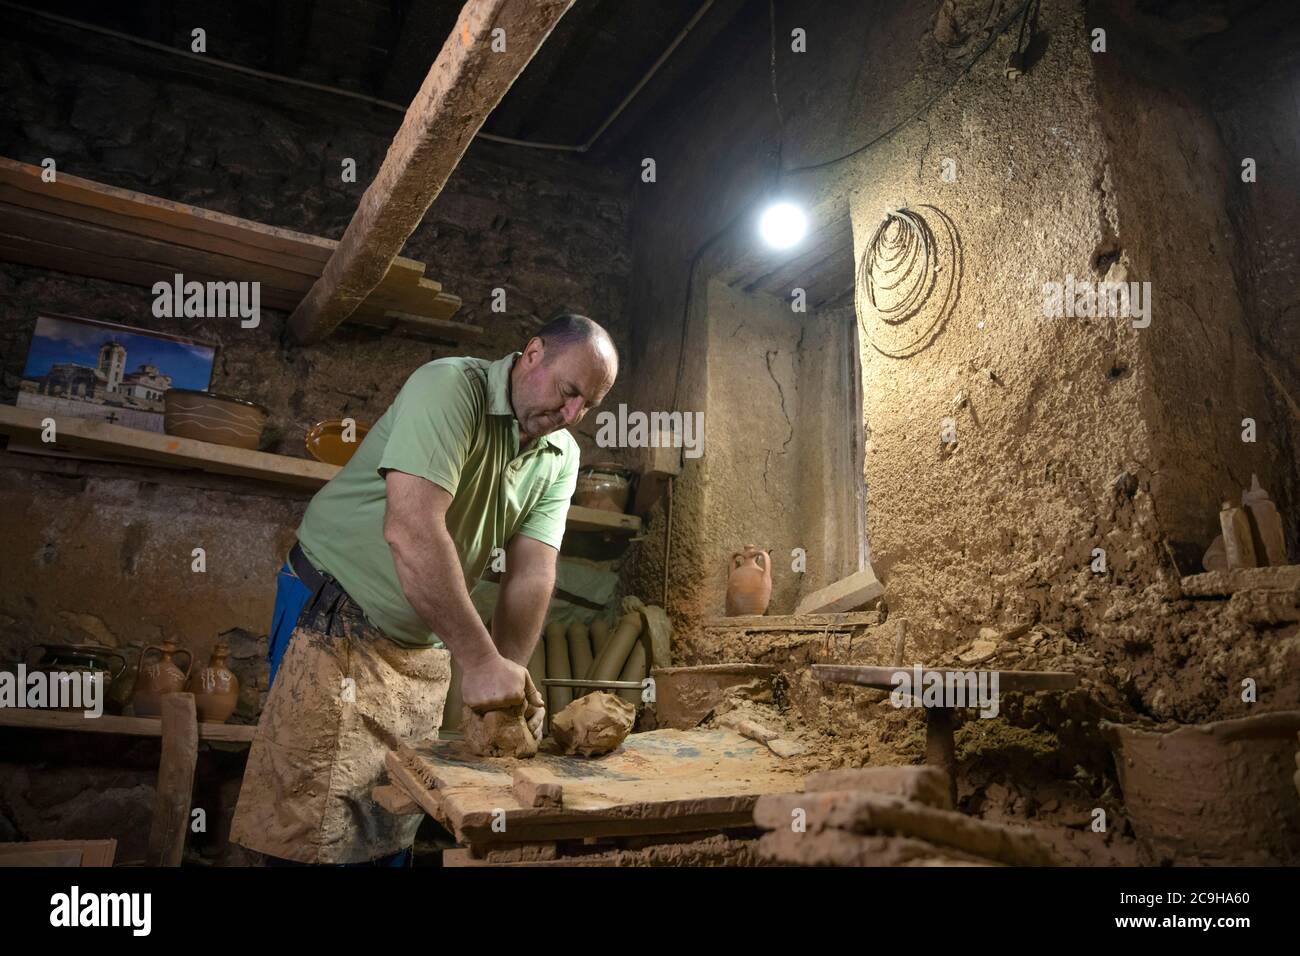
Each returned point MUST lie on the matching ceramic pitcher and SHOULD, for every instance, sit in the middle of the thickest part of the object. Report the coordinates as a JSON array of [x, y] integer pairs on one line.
[[749, 582], [157, 677], [215, 687]]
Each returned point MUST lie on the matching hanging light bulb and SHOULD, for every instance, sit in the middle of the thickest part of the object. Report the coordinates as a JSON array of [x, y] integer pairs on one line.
[[782, 225]]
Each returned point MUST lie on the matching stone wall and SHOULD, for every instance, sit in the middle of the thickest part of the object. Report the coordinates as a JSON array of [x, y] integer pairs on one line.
[[103, 554]]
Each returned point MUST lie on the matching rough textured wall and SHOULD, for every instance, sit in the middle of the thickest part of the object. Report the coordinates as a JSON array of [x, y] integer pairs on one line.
[[104, 554], [1174, 183], [1072, 434]]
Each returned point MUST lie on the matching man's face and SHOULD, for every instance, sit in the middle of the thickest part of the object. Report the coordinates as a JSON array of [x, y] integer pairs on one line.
[[553, 389]]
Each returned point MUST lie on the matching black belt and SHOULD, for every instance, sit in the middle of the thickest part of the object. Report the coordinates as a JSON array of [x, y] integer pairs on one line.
[[327, 595]]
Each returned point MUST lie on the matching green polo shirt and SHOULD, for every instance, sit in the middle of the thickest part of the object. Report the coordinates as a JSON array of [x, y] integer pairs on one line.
[[451, 423]]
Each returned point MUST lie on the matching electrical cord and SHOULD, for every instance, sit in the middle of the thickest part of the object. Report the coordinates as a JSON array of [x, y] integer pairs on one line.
[[1000, 29]]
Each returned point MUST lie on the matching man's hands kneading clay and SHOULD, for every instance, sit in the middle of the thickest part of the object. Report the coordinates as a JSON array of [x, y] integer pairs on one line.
[[504, 711]]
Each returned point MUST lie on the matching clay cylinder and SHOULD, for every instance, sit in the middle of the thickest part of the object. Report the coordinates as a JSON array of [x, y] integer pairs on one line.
[[580, 656], [215, 688], [634, 669], [557, 667], [598, 632], [1236, 538], [611, 660]]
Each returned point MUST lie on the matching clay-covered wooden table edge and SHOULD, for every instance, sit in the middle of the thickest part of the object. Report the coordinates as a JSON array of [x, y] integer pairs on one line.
[[882, 678]]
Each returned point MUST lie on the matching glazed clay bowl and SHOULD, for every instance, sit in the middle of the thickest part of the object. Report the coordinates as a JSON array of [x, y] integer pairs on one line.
[[325, 441], [207, 416], [604, 486]]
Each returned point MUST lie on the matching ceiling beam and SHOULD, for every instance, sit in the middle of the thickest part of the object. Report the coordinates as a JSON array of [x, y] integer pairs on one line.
[[464, 85]]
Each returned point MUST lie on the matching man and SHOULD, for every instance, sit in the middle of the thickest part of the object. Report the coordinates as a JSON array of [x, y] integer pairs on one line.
[[374, 600]]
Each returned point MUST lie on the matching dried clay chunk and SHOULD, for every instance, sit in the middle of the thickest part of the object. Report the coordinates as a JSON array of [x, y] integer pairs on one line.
[[593, 725], [498, 733]]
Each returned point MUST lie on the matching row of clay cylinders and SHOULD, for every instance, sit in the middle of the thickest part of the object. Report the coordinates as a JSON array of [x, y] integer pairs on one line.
[[592, 652]]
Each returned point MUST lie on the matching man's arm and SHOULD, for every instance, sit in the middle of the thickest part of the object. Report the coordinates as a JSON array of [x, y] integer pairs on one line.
[[525, 594], [428, 569]]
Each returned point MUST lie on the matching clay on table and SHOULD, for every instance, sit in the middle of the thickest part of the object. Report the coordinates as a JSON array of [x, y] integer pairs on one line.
[[498, 733], [594, 724]]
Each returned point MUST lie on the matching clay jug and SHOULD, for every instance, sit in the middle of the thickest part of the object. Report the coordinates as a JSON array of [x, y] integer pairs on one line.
[[158, 677], [215, 688], [749, 584]]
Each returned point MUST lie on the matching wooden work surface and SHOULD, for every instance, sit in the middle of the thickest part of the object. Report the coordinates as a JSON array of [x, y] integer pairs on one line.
[[663, 781]]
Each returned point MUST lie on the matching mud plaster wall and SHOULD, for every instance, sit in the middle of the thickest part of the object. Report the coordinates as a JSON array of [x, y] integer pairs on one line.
[[1064, 444], [101, 552], [1205, 370], [766, 463]]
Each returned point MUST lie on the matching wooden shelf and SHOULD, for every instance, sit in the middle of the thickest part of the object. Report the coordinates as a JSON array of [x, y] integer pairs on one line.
[[101, 438], [111, 724], [87, 228], [594, 519]]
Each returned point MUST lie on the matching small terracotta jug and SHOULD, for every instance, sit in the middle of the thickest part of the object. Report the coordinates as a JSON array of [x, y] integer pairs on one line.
[[749, 585], [215, 688], [158, 677]]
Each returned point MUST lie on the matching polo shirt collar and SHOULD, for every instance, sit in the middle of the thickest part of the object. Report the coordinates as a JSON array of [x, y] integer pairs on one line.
[[498, 377]]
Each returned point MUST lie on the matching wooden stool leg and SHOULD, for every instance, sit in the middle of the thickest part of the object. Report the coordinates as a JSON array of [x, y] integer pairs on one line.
[[940, 747], [180, 755]]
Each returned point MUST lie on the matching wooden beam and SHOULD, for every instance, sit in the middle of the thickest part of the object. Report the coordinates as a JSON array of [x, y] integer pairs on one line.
[[464, 85], [113, 724], [180, 755]]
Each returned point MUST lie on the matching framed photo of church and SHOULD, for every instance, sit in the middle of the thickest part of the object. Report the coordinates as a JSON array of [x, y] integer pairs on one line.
[[93, 369]]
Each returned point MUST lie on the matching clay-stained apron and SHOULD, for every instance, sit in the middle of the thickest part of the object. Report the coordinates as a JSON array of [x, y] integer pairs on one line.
[[340, 694]]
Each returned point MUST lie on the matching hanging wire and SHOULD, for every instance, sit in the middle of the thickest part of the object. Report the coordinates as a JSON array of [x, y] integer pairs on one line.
[[897, 277]]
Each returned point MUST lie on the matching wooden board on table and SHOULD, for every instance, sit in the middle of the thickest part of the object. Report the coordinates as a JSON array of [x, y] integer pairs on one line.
[[882, 678], [114, 724], [663, 781]]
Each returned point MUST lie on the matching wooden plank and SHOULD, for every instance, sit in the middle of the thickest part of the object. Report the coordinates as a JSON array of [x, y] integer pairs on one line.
[[463, 86], [881, 678], [101, 221], [395, 800], [180, 755], [537, 787], [113, 724], [596, 519], [846, 594], [664, 781], [1227, 583], [82, 853], [82, 434]]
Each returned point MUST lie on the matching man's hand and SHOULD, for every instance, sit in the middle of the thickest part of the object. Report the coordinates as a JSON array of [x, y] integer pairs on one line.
[[494, 683], [534, 708]]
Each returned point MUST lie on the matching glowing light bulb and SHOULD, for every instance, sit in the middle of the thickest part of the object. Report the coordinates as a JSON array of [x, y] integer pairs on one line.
[[782, 225]]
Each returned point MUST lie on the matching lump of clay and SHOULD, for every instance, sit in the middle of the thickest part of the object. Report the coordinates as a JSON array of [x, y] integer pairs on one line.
[[498, 733], [593, 725]]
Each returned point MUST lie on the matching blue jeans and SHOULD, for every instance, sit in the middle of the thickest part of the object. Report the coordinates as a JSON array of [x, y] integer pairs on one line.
[[291, 595]]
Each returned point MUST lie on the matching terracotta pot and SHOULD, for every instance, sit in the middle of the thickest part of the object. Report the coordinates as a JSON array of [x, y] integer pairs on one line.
[[1212, 793], [215, 688], [158, 677], [749, 584], [220, 419]]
